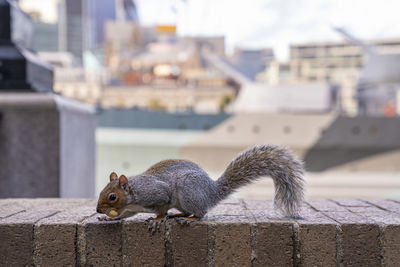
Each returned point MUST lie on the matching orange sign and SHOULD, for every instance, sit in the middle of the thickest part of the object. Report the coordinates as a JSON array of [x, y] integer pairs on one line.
[[166, 28]]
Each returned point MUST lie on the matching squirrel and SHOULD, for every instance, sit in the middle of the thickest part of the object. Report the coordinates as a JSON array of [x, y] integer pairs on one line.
[[183, 185]]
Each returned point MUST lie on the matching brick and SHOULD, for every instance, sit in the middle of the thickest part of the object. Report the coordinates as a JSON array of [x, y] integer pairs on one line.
[[385, 204], [264, 210], [351, 202], [259, 205], [359, 236], [99, 243], [338, 232], [360, 245], [273, 235], [317, 244], [326, 205], [273, 244], [55, 237], [232, 201], [189, 244], [140, 247], [227, 209], [261, 210], [16, 234], [232, 238], [45, 203], [232, 244], [391, 245], [389, 226], [376, 214], [316, 239], [8, 209]]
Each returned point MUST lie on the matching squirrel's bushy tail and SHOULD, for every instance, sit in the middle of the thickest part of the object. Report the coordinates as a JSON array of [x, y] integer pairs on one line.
[[267, 160]]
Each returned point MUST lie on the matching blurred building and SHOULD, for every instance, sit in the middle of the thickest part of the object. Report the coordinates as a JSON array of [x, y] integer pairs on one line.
[[45, 37], [333, 61], [205, 99], [250, 62], [153, 68], [275, 72], [71, 27], [121, 38], [337, 63], [212, 44], [100, 12], [82, 22]]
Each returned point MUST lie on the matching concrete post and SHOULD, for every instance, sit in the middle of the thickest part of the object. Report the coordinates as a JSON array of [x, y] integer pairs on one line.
[[47, 146]]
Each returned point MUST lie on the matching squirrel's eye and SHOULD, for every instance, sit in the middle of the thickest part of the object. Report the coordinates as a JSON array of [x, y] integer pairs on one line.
[[112, 197]]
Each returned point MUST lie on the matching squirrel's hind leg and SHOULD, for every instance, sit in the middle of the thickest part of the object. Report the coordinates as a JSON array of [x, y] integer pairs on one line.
[[155, 223], [183, 218]]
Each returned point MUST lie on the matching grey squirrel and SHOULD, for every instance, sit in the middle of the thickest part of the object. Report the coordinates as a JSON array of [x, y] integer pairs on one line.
[[183, 185]]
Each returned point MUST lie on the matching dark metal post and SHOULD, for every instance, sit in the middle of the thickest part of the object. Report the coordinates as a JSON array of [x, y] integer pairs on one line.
[[20, 68]]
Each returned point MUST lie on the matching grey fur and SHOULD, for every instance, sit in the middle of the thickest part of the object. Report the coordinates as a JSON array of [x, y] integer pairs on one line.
[[185, 186], [267, 160]]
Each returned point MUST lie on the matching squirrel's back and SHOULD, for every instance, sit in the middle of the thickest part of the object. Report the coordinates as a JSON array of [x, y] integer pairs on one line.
[[172, 166], [176, 170]]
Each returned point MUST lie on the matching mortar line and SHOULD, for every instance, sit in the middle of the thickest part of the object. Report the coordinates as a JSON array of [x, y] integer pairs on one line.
[[381, 243], [35, 257], [77, 238], [8, 216], [253, 232], [339, 248], [377, 206], [345, 206], [356, 213], [121, 228], [380, 227], [168, 252], [338, 236], [210, 245], [393, 200], [323, 213]]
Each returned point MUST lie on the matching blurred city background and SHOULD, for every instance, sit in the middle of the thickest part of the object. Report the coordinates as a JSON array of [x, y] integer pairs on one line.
[[203, 80]]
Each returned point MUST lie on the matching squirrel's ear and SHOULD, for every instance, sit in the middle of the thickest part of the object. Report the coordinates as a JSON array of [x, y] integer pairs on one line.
[[123, 181], [113, 176]]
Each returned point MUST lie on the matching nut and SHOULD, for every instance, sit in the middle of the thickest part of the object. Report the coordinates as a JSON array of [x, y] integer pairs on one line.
[[113, 213]]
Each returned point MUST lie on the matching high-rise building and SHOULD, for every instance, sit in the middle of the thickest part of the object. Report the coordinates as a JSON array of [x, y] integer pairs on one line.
[[71, 30], [82, 22], [103, 11]]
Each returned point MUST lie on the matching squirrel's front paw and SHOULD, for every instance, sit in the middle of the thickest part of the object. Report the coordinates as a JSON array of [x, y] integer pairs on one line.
[[155, 223]]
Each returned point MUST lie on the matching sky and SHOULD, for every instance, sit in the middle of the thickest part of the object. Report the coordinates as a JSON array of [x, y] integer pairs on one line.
[[275, 23], [47, 8], [264, 23]]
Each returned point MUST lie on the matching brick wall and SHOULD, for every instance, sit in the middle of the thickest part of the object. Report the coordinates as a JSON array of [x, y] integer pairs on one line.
[[59, 232]]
